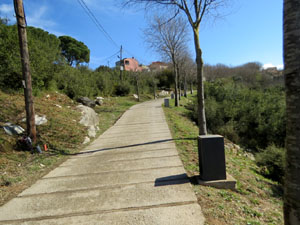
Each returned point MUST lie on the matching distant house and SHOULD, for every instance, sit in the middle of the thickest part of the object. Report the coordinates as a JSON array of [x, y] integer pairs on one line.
[[156, 66], [130, 64], [274, 72]]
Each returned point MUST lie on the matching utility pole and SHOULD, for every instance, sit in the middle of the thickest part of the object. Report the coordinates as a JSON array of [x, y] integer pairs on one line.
[[30, 115], [121, 65]]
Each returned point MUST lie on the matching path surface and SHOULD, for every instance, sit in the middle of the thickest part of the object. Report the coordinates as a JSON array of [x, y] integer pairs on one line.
[[129, 175]]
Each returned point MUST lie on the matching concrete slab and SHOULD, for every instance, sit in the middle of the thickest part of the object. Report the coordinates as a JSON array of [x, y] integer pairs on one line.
[[163, 215], [141, 164], [119, 156], [100, 147], [123, 197], [91, 181], [228, 183]]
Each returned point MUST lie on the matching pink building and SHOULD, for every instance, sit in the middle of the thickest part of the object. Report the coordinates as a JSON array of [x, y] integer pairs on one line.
[[130, 64]]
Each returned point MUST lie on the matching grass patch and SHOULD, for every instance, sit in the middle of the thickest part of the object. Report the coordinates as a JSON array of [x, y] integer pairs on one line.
[[62, 133], [257, 200]]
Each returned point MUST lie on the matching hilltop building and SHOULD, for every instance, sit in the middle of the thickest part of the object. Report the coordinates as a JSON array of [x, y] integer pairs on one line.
[[156, 66], [129, 64]]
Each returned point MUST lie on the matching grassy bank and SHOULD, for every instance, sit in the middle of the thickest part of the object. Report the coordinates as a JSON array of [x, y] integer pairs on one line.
[[257, 200], [62, 133]]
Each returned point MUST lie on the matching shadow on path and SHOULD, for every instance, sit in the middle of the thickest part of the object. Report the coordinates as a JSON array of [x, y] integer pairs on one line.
[[62, 152], [175, 179]]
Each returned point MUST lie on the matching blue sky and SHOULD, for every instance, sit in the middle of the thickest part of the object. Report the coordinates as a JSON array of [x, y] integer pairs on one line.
[[251, 32]]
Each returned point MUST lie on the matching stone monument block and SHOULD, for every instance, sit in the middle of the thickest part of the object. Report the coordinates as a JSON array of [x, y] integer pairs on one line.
[[167, 102], [211, 157]]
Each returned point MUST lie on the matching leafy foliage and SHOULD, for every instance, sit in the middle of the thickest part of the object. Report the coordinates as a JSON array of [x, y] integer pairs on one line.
[[252, 117], [272, 161], [49, 70], [44, 52], [74, 51]]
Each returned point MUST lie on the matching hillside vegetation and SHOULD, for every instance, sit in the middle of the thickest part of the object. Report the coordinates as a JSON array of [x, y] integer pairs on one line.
[[257, 200]]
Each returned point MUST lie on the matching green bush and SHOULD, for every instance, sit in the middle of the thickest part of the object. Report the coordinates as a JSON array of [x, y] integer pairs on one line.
[[255, 117], [272, 162], [122, 89]]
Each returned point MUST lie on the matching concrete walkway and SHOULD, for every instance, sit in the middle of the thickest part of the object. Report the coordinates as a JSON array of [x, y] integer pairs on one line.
[[130, 175]]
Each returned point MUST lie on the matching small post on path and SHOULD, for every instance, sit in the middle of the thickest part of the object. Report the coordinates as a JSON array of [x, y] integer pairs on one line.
[[30, 115]]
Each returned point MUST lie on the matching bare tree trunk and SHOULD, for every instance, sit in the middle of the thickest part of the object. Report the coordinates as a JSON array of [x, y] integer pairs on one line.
[[137, 85], [30, 114], [176, 85], [179, 83], [185, 86], [200, 85], [154, 89], [191, 87], [292, 82]]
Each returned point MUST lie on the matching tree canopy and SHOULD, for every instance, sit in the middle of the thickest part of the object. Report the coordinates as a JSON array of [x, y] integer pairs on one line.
[[74, 51], [44, 52]]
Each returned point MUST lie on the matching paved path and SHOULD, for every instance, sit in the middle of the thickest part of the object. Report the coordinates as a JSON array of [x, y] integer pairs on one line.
[[130, 175]]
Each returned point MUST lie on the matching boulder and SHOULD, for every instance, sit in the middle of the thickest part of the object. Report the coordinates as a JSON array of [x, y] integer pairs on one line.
[[89, 119], [87, 102], [99, 101], [163, 93], [86, 140]]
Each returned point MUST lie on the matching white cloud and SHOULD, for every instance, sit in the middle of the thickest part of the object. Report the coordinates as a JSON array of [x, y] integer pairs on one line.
[[7, 11], [6, 8], [280, 67], [268, 65], [37, 18]]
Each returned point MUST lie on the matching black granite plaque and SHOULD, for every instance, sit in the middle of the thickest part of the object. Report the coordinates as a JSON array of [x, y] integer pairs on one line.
[[211, 157]]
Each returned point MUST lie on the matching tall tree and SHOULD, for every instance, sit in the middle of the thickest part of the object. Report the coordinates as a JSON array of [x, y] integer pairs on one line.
[[168, 38], [196, 11], [74, 51], [292, 82]]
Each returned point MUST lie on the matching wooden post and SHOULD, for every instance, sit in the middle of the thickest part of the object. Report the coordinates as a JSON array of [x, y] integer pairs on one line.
[[30, 115], [137, 85]]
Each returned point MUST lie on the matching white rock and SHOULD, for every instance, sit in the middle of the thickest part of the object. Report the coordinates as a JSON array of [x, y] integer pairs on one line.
[[39, 120], [47, 96], [163, 93], [92, 131], [86, 140], [135, 96], [89, 116], [59, 106]]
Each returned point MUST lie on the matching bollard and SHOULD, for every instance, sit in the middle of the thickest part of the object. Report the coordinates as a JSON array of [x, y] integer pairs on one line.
[[167, 104], [211, 157]]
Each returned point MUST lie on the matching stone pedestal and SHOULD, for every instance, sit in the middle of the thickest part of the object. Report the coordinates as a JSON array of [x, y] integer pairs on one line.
[[211, 157], [167, 102]]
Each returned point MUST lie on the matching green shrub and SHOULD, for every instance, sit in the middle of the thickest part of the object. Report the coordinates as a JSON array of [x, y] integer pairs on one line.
[[272, 162], [255, 117], [122, 89]]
